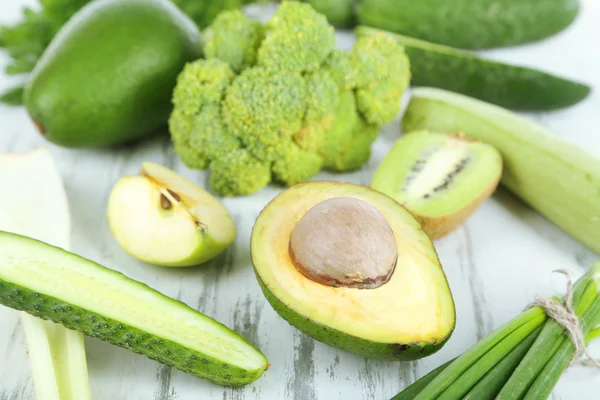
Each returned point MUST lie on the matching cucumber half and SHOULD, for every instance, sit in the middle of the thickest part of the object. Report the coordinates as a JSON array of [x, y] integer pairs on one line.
[[59, 286]]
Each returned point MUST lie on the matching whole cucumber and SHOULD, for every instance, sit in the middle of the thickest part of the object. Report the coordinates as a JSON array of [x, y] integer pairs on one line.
[[470, 24], [510, 86]]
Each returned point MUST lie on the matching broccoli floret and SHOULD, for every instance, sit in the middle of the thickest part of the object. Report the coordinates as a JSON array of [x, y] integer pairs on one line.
[[265, 105], [339, 65], [323, 95], [298, 38], [295, 165], [338, 138], [201, 82], [239, 173], [209, 137], [303, 106], [358, 149], [382, 75], [235, 39]]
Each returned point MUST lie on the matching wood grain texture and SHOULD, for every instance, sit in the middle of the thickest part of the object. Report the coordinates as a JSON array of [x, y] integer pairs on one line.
[[495, 264]]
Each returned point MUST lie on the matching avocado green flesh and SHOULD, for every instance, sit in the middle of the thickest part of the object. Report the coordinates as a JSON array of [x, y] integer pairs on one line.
[[410, 316], [56, 285], [556, 178], [108, 75], [470, 24], [506, 85], [434, 175]]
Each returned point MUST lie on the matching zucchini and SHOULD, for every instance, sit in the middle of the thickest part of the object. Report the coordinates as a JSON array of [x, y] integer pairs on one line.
[[56, 285], [506, 85], [555, 177], [470, 24]]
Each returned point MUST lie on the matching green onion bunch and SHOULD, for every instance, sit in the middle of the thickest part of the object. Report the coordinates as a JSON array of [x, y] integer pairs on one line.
[[523, 359]]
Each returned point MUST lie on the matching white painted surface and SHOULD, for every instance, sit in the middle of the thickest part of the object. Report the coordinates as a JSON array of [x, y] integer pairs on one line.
[[495, 264]]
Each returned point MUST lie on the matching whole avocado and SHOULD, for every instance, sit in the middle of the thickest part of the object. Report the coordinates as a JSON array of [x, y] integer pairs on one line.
[[108, 75]]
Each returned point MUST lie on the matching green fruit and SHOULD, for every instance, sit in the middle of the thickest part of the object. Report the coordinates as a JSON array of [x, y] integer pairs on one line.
[[440, 179], [506, 85], [556, 178], [470, 24], [339, 13], [59, 286], [161, 218], [108, 75], [352, 268]]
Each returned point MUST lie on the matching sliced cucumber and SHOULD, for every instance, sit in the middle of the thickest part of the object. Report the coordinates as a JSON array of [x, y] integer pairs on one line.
[[510, 86], [54, 284]]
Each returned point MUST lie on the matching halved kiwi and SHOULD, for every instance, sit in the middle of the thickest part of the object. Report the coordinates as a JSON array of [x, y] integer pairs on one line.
[[441, 179]]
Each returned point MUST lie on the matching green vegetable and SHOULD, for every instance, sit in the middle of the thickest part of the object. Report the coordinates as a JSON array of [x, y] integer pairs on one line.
[[470, 24], [107, 78], [38, 207], [339, 13], [62, 287], [521, 360], [506, 85], [282, 108], [13, 97], [556, 178], [26, 40]]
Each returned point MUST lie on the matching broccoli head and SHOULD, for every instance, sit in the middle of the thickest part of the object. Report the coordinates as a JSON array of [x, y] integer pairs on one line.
[[277, 103]]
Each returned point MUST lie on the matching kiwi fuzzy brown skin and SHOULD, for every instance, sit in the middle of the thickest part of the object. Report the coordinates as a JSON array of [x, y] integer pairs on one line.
[[439, 226]]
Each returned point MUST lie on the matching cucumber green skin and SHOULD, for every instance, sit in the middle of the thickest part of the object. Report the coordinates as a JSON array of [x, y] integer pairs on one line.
[[121, 334], [339, 13], [351, 344], [509, 86], [108, 75], [470, 24], [558, 179]]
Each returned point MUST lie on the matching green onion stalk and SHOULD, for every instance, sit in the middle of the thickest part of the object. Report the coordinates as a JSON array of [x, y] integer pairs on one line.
[[522, 359]]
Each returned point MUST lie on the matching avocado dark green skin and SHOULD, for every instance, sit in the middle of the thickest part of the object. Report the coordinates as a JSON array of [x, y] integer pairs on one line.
[[108, 75], [506, 85], [349, 343], [470, 24]]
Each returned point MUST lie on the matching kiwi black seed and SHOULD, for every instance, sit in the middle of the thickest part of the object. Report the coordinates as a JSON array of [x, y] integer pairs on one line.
[[440, 178]]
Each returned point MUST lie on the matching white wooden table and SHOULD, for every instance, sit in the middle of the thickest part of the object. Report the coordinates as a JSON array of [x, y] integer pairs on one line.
[[495, 264]]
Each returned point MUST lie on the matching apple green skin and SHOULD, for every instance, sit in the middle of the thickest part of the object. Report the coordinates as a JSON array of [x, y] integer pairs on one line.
[[205, 251], [349, 343], [208, 250]]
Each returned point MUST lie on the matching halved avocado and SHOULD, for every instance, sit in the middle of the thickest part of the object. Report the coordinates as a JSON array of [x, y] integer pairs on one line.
[[323, 258]]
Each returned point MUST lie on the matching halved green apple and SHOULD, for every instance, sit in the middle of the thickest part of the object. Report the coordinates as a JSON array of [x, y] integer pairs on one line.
[[162, 218]]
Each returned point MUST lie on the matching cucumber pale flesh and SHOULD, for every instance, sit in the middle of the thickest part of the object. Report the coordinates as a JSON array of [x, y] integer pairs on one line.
[[510, 86], [59, 286]]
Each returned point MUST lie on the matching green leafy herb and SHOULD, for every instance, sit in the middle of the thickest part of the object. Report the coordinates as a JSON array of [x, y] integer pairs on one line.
[[13, 96]]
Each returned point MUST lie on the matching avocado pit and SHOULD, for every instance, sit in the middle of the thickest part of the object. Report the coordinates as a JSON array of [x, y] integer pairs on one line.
[[344, 242]]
